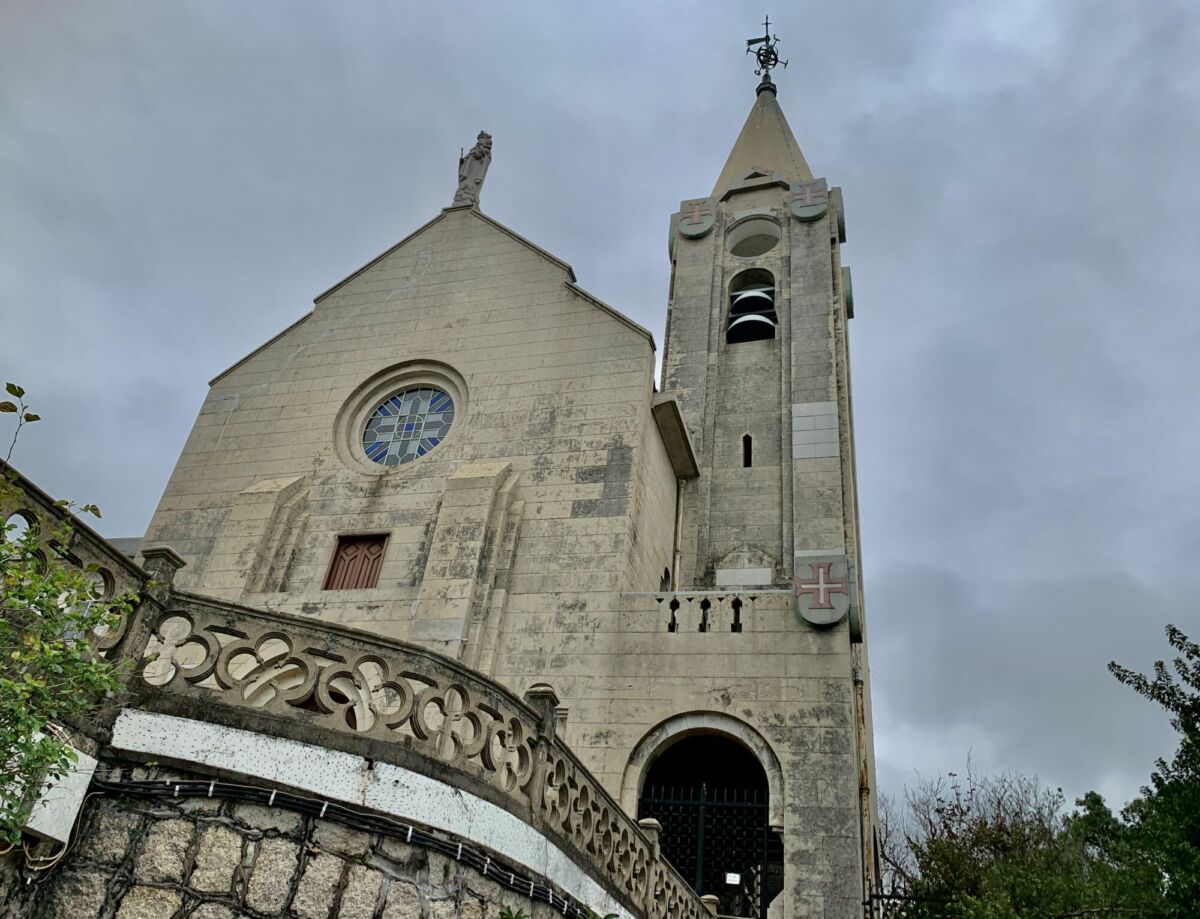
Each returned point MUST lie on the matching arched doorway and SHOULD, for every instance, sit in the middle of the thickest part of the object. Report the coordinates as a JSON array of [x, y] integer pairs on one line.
[[710, 794]]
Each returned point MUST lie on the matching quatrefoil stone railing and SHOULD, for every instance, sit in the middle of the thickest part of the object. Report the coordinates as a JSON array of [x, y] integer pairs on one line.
[[397, 701]]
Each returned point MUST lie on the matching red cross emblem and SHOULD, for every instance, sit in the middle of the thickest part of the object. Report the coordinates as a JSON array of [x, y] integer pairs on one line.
[[696, 217], [822, 585], [811, 193], [810, 200]]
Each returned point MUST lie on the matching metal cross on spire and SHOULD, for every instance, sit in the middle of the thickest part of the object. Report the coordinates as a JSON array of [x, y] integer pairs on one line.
[[765, 53]]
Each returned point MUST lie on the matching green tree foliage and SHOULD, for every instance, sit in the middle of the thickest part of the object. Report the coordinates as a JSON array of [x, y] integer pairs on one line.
[[1164, 823], [49, 609], [1003, 847], [1000, 847]]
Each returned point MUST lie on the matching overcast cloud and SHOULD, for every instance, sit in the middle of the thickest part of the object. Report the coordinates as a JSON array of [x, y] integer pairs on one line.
[[179, 180]]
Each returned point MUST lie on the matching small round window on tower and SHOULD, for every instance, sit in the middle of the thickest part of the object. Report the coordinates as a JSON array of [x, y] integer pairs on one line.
[[406, 426], [754, 236]]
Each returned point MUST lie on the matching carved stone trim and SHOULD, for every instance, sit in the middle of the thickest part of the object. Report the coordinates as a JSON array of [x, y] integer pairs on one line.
[[212, 659]]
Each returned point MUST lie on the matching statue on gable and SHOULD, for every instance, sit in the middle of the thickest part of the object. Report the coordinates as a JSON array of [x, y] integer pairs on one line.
[[472, 167]]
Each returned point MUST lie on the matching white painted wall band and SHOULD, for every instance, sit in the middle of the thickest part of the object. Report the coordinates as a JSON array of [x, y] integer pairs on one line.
[[344, 777]]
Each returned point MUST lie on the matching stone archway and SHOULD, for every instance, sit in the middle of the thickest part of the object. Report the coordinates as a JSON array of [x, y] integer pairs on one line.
[[667, 733]]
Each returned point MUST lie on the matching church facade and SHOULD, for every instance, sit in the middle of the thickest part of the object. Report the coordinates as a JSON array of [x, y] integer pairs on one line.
[[461, 456]]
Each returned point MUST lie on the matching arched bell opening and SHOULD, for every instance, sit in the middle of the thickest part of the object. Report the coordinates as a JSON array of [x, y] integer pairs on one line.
[[752, 315], [750, 280], [712, 796]]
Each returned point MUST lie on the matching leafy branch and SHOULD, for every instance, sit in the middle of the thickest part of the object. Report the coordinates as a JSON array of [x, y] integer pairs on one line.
[[51, 611], [21, 410]]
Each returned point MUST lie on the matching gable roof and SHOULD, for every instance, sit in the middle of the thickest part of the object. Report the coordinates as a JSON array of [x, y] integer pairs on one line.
[[615, 314], [495, 224], [266, 344]]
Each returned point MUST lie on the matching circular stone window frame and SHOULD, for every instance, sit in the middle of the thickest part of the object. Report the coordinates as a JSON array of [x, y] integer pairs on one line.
[[352, 417], [749, 227], [13, 532]]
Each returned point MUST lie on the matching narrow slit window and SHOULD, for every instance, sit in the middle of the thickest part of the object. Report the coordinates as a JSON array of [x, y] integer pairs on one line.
[[356, 562], [747, 451]]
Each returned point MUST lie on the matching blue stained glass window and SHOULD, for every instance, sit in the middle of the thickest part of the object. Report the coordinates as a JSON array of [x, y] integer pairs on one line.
[[407, 426]]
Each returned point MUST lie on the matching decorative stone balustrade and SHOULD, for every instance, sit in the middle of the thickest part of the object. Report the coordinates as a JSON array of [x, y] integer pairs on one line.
[[331, 685], [21, 500], [391, 701], [714, 611]]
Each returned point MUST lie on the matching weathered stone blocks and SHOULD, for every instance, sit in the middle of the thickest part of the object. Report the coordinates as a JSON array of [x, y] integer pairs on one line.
[[214, 911], [149, 903], [218, 858], [271, 877], [78, 894], [164, 851], [109, 835], [269, 819], [314, 896], [361, 894], [179, 865], [403, 901], [342, 840]]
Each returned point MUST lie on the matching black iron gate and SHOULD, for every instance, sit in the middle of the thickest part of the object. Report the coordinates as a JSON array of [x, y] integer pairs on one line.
[[719, 840]]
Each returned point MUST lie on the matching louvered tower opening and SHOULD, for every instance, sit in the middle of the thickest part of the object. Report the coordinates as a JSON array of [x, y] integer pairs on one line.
[[752, 315]]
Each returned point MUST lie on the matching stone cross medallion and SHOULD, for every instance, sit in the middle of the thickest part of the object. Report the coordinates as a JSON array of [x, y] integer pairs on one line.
[[696, 217], [824, 588], [810, 200]]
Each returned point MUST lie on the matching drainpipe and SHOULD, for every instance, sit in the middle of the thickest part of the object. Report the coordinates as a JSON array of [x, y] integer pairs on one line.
[[866, 830], [680, 489]]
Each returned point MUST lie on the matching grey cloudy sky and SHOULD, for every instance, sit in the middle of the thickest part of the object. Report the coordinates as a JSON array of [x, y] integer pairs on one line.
[[179, 180]]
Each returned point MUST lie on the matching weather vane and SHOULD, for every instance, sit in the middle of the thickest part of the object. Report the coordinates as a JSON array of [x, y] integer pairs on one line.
[[765, 54]]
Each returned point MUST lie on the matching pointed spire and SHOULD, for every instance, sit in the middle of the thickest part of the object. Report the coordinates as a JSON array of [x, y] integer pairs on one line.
[[765, 144]]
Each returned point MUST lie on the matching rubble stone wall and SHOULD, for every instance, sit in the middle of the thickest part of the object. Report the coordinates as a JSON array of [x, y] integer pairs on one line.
[[200, 858]]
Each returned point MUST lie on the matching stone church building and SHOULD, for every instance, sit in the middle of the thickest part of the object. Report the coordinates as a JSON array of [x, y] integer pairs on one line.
[[449, 607]]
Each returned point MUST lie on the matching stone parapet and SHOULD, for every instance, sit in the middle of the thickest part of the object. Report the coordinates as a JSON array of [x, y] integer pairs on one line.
[[398, 703], [331, 687], [84, 547]]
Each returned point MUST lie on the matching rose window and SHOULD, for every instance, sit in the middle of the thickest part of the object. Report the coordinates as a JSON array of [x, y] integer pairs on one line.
[[407, 425]]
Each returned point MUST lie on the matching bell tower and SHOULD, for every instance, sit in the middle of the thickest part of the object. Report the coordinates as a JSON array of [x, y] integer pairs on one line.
[[757, 355]]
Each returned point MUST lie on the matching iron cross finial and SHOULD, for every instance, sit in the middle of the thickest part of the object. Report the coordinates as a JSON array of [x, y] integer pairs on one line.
[[766, 54]]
